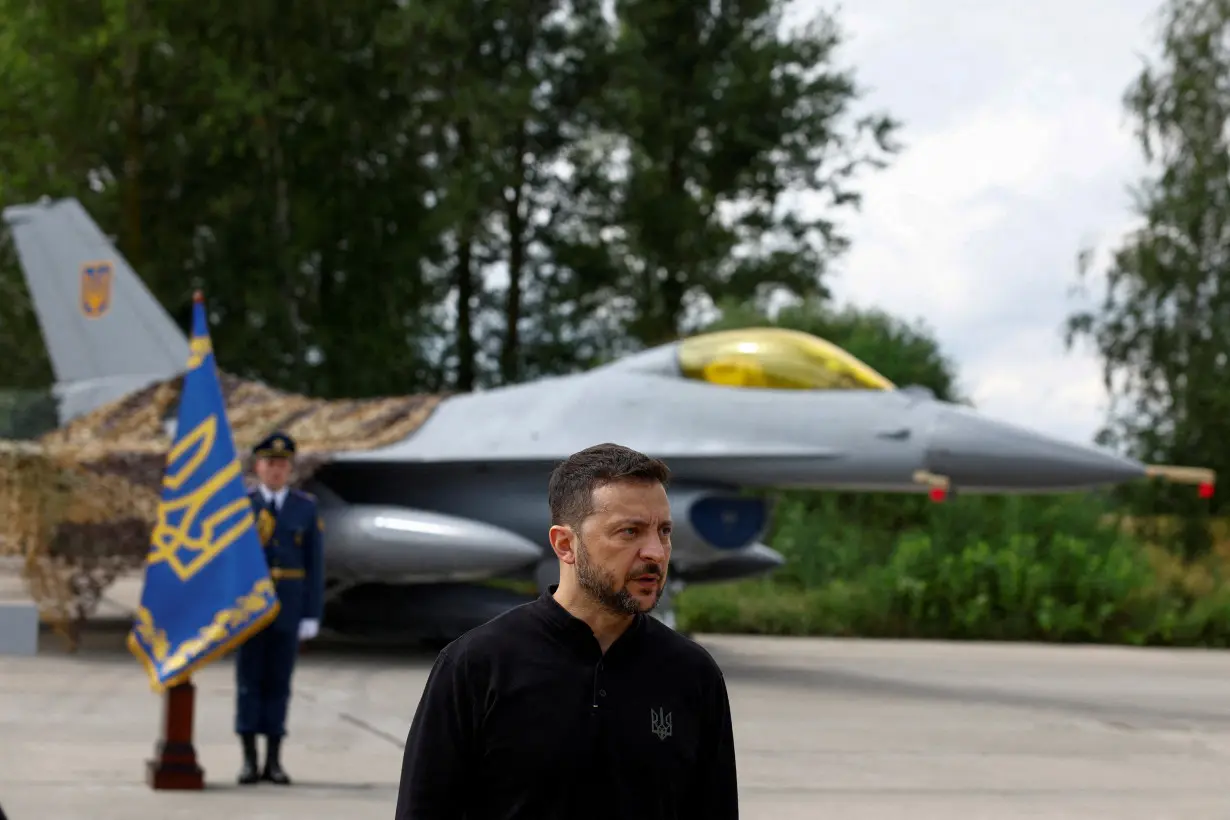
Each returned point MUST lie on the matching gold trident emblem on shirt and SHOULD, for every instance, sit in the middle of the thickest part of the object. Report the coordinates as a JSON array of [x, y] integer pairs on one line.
[[200, 539]]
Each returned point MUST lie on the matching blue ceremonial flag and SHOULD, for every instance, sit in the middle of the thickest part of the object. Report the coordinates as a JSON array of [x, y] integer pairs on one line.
[[207, 585]]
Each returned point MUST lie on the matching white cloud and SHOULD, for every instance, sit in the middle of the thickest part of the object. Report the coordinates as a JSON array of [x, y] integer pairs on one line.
[[1017, 155]]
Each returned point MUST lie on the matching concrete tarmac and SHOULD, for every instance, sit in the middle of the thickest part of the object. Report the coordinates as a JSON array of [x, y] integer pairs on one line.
[[825, 729]]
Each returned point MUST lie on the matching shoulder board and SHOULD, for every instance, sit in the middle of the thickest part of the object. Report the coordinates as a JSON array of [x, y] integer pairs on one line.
[[303, 494]]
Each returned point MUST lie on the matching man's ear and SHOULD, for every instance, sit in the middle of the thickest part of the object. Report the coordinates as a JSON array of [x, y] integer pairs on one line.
[[563, 541]]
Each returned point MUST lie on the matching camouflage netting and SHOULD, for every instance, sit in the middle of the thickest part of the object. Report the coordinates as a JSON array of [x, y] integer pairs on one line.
[[33, 496], [79, 505]]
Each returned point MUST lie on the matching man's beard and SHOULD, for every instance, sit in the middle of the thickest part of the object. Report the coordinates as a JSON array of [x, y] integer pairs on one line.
[[607, 591]]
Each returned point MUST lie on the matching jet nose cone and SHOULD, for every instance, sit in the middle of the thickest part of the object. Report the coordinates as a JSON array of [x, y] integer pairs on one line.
[[978, 453]]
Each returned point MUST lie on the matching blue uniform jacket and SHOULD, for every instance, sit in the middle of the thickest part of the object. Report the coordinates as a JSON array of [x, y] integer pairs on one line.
[[295, 553]]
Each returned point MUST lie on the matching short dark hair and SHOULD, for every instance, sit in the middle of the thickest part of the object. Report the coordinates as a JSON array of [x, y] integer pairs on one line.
[[571, 489]]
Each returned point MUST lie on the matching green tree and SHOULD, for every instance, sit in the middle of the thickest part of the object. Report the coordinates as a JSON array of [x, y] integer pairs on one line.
[[1162, 327], [23, 358], [713, 120], [30, 160], [512, 82], [262, 157], [393, 197]]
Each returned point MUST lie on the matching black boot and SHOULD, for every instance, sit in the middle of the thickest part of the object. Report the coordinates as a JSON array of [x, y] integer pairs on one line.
[[250, 772], [273, 766]]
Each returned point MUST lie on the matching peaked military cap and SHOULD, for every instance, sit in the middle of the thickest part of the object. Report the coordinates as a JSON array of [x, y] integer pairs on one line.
[[278, 445]]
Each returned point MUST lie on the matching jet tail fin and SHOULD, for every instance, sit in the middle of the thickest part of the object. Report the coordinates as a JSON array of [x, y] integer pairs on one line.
[[106, 334]]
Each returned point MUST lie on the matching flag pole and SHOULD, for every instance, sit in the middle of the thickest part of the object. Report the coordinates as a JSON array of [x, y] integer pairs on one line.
[[174, 765]]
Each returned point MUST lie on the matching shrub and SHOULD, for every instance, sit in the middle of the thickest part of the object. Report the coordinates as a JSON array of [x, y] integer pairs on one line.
[[1059, 570]]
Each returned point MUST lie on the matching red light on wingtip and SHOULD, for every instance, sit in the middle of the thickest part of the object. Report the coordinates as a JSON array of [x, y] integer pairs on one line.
[[1206, 489], [938, 494]]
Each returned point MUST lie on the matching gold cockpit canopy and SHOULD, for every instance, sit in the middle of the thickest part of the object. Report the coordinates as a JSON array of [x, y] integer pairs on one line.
[[775, 358]]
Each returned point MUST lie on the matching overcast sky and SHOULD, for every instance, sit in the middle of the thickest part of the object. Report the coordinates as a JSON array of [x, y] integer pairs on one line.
[[1017, 153]]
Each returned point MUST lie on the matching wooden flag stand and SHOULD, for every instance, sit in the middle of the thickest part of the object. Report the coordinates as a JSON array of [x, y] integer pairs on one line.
[[174, 766]]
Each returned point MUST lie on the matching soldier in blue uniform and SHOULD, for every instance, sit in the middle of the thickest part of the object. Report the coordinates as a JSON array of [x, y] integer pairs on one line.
[[289, 527]]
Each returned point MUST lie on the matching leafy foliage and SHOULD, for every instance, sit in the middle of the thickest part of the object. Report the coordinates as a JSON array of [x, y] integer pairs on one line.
[[1032, 569], [396, 197], [1161, 328]]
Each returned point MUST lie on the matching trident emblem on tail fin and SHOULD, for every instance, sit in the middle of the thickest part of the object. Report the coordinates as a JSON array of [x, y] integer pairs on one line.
[[95, 289]]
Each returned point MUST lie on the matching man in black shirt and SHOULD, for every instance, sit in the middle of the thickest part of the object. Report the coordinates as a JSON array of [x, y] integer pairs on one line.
[[580, 706]]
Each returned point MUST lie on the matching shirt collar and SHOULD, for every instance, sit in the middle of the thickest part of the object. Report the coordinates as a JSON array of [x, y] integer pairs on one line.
[[279, 496], [575, 631]]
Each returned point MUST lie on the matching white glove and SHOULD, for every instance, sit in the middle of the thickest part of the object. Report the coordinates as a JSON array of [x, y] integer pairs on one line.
[[308, 628]]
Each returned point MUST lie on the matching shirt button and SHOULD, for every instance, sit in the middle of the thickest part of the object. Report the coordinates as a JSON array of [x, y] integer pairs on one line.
[[602, 692]]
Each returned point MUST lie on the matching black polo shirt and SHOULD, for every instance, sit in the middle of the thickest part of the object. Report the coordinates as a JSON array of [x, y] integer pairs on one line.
[[524, 718]]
